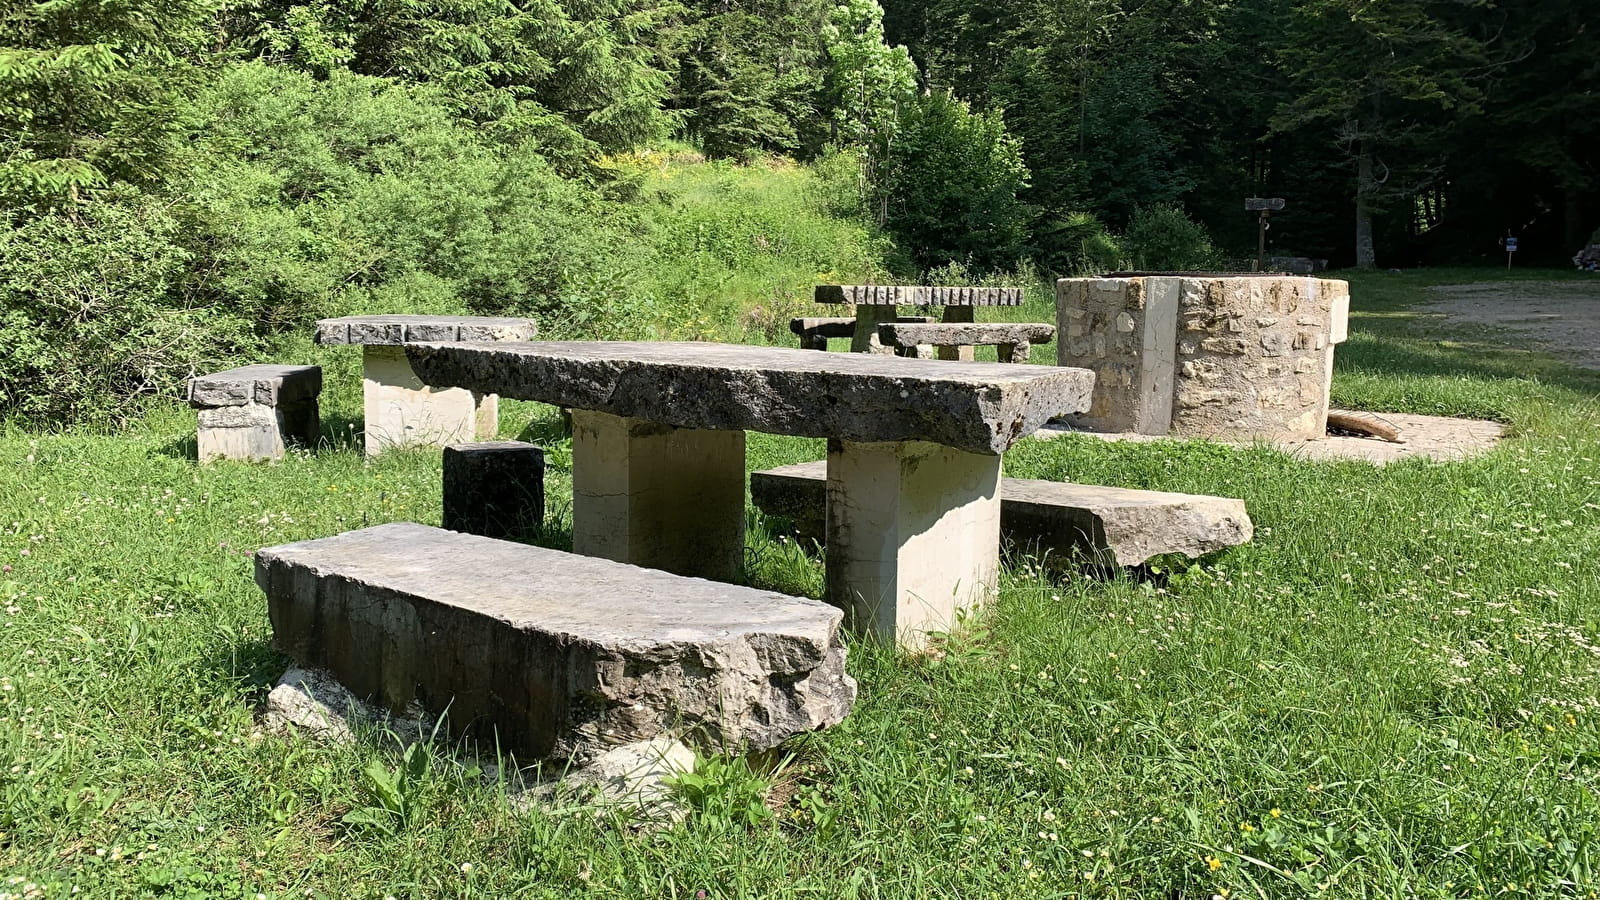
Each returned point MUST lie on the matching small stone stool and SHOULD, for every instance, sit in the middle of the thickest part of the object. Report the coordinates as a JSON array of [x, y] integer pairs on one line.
[[248, 413], [402, 411], [493, 488]]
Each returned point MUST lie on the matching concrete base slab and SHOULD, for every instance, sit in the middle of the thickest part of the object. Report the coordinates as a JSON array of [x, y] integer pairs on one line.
[[913, 535], [401, 411], [657, 496], [1438, 438]]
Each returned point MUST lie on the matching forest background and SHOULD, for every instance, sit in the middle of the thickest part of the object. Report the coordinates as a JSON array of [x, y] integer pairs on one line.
[[187, 182]]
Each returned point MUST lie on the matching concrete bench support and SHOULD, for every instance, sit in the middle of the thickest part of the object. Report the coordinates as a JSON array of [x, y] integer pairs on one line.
[[658, 496], [400, 410], [1062, 521], [552, 655], [494, 488], [253, 412], [913, 535]]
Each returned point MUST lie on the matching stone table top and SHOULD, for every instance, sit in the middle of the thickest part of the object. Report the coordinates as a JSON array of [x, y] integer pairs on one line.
[[976, 407], [917, 295], [394, 330]]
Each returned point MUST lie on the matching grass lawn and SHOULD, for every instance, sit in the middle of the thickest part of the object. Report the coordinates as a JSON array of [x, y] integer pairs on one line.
[[1394, 691]]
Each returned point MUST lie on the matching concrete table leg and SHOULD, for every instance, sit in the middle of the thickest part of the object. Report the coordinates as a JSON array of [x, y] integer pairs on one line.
[[658, 496], [913, 535], [402, 411], [958, 314], [868, 318]]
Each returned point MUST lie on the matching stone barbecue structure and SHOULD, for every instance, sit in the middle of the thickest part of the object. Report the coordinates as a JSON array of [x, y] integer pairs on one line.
[[1223, 356]]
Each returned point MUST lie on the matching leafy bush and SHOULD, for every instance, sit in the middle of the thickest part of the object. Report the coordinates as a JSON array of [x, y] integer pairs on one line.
[[93, 313], [1164, 238], [1077, 244], [358, 195], [952, 186]]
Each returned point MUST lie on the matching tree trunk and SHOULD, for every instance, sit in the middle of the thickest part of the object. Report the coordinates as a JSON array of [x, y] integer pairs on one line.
[[1365, 257]]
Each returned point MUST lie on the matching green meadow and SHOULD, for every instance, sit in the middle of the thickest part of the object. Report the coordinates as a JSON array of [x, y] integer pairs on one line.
[[1392, 691]]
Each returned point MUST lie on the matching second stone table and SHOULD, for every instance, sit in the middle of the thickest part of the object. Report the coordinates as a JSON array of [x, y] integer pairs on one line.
[[659, 470]]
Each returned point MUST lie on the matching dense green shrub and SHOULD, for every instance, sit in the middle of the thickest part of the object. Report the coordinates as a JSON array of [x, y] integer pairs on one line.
[[93, 313], [356, 194], [1164, 238], [1076, 244], [952, 186]]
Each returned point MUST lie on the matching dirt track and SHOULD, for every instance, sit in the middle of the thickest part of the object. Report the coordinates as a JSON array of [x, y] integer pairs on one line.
[[1562, 317]]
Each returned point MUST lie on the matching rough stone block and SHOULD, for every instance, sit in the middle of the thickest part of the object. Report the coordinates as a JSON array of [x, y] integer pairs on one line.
[[1066, 521], [977, 407], [568, 658], [494, 488]]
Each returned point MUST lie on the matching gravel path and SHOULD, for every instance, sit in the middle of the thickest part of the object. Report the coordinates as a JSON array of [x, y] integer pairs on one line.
[[1561, 317]]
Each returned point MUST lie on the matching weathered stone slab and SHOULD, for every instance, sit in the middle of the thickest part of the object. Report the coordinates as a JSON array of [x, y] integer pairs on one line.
[[267, 385], [554, 655], [403, 329], [950, 334], [917, 295], [1120, 525], [977, 407], [493, 488]]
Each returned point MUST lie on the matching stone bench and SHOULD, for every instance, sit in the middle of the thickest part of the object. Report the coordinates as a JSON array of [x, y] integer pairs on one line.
[[1123, 526], [567, 658], [402, 411], [814, 332], [251, 412], [1012, 340]]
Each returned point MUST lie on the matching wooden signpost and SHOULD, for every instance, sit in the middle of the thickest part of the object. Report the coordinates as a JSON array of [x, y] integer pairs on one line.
[[1510, 243], [1266, 206]]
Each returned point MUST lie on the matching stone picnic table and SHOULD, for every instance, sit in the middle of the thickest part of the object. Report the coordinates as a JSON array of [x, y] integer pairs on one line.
[[879, 303], [658, 456]]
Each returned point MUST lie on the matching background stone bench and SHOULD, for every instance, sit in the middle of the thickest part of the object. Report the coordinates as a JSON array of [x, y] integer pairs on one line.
[[815, 331], [554, 655], [399, 409], [1013, 340], [251, 412], [1120, 526]]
